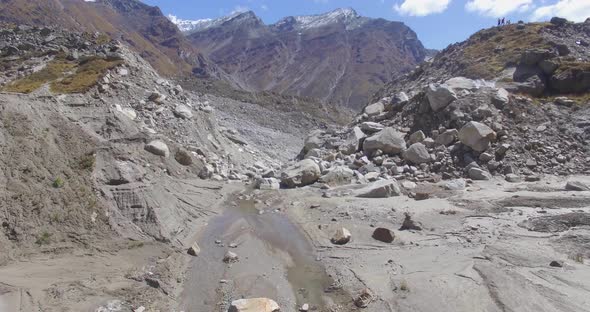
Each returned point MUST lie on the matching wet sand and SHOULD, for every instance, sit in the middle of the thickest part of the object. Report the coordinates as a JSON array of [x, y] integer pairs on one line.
[[276, 261]]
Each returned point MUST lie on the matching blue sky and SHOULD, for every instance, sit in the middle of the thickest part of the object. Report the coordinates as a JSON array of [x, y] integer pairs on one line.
[[438, 23]]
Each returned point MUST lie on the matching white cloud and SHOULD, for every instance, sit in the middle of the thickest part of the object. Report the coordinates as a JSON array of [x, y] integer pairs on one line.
[[240, 9], [264, 7], [573, 10], [499, 8], [421, 7]]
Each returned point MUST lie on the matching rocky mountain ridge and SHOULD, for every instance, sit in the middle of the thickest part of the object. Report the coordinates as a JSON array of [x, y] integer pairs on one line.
[[143, 27], [337, 57], [347, 16]]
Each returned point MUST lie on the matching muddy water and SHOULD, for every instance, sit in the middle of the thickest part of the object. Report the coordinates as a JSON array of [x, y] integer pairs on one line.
[[280, 238]]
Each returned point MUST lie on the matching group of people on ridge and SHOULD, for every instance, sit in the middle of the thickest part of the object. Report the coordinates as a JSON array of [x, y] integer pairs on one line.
[[502, 21]]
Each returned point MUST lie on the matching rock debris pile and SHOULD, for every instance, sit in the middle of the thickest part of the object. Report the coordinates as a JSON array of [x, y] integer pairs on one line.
[[455, 129]]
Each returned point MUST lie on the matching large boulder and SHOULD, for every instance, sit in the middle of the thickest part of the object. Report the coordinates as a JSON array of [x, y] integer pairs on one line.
[[267, 184], [183, 111], [302, 173], [374, 109], [183, 157], [477, 136], [417, 137], [529, 79], [398, 101], [500, 98], [313, 140], [371, 127], [479, 174], [380, 189], [339, 175], [462, 83], [571, 80], [126, 111], [535, 56], [447, 138], [157, 97], [158, 147], [254, 305], [417, 153], [440, 96], [388, 140], [559, 21], [549, 66], [353, 141]]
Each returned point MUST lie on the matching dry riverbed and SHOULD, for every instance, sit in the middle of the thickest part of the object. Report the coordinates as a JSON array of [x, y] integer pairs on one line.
[[494, 246], [474, 251]]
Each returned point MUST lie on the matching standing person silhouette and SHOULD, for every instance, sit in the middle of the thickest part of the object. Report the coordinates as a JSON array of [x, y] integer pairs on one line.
[[503, 21], [499, 22]]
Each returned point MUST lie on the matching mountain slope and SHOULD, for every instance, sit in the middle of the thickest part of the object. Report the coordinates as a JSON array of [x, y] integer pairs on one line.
[[143, 27], [540, 59], [338, 57]]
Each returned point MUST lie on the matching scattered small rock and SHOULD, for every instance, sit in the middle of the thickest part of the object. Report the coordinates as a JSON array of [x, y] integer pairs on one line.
[[183, 157], [513, 178], [409, 224], [158, 147], [230, 257], [383, 235], [380, 189], [194, 250], [183, 111], [421, 195], [576, 186], [363, 299], [254, 305], [341, 237]]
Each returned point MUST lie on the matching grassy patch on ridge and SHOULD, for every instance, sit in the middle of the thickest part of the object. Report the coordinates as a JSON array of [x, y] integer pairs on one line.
[[66, 76], [491, 50]]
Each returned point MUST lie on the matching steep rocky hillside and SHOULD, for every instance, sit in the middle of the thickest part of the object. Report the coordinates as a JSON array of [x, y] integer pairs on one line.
[[143, 27], [540, 59], [338, 57], [107, 168], [510, 101]]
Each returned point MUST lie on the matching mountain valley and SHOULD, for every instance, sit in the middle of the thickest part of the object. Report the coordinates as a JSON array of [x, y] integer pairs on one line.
[[321, 163], [339, 57]]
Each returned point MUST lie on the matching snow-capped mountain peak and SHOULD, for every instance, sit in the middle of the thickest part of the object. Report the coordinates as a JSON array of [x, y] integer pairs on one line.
[[190, 26], [347, 16]]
